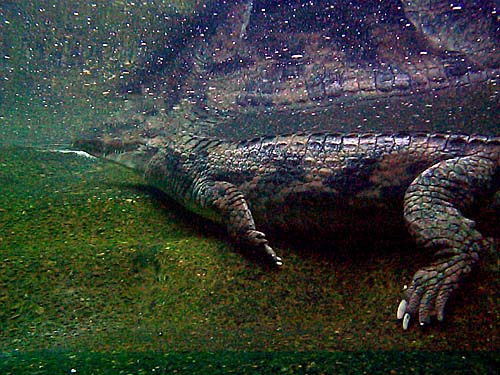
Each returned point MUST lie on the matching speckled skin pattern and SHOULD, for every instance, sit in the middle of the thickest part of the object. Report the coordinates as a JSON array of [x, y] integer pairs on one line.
[[279, 56], [436, 176]]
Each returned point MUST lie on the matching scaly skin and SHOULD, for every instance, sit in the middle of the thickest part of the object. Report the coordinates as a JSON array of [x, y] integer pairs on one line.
[[415, 47], [443, 176]]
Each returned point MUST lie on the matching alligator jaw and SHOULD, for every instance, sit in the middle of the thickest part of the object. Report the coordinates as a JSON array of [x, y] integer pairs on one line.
[[132, 153]]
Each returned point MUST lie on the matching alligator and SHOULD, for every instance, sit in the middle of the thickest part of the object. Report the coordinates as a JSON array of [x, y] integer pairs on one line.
[[295, 59], [301, 181], [310, 62], [310, 54], [298, 56]]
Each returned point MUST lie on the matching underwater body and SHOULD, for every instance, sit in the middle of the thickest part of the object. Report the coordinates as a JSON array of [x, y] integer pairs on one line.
[[301, 183], [346, 161]]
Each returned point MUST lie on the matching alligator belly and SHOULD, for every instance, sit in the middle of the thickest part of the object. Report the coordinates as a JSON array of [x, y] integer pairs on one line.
[[325, 217]]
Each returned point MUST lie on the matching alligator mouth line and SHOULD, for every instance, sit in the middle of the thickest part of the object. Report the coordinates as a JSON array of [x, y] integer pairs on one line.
[[103, 147]]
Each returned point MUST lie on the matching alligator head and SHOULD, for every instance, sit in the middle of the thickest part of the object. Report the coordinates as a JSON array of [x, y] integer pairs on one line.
[[134, 153]]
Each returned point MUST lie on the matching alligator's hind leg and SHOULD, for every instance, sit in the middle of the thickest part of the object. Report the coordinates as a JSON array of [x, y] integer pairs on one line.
[[231, 203], [433, 208]]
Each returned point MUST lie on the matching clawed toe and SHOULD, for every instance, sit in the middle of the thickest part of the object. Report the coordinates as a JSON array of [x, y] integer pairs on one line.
[[402, 309], [431, 288], [257, 238], [415, 307], [277, 261], [406, 321], [402, 314]]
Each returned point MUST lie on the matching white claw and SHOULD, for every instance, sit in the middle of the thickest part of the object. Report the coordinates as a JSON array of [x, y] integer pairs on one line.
[[406, 321], [278, 261], [402, 309]]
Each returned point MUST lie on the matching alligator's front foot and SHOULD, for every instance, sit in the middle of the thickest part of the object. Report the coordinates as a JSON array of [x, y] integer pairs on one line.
[[431, 288], [257, 240], [239, 221]]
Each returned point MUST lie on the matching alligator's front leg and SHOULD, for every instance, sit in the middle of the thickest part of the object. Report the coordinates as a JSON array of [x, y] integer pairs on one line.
[[433, 212], [231, 204]]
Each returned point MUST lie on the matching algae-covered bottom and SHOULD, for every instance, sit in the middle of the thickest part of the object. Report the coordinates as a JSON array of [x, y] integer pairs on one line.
[[91, 260], [311, 363]]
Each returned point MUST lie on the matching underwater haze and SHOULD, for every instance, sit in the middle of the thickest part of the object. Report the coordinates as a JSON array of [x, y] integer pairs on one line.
[[102, 273]]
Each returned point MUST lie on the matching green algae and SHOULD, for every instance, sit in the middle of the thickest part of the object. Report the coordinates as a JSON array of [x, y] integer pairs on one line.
[[249, 363]]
